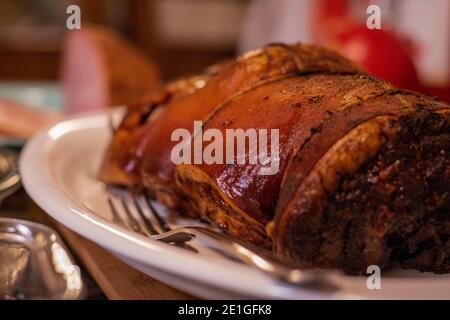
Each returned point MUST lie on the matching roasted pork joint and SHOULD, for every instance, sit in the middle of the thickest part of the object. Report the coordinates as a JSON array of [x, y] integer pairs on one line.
[[377, 196], [363, 168]]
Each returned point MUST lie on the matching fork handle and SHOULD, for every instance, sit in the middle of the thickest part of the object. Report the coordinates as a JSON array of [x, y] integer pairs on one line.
[[313, 279]]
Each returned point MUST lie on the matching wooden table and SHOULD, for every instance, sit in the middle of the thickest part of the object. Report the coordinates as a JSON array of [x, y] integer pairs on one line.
[[115, 278]]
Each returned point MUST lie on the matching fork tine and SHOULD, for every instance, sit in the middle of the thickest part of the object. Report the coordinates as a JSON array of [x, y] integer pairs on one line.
[[116, 217], [164, 226], [144, 225], [133, 223], [161, 226], [147, 222]]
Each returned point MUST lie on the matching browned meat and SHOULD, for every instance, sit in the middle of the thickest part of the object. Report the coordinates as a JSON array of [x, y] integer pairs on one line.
[[122, 161], [363, 174], [101, 69]]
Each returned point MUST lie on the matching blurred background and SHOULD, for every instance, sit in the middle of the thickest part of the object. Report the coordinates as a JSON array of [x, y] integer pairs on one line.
[[127, 48], [182, 36]]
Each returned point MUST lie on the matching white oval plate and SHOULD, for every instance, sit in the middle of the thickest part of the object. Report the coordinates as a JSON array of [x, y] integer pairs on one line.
[[59, 170]]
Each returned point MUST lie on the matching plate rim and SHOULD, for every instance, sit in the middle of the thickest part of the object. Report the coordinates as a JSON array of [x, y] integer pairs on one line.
[[44, 190], [41, 186]]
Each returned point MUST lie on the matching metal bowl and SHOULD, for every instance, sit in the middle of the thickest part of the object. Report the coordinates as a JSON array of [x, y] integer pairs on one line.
[[9, 172], [35, 263]]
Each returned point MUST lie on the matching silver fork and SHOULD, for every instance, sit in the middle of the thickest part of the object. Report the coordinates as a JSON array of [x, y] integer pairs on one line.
[[147, 227], [159, 229]]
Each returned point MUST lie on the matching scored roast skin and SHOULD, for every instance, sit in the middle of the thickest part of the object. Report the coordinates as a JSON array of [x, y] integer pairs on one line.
[[364, 168]]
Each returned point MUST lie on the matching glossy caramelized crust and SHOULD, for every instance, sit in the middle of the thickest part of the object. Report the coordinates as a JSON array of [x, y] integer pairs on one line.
[[364, 168], [121, 162], [141, 148], [375, 194], [277, 105]]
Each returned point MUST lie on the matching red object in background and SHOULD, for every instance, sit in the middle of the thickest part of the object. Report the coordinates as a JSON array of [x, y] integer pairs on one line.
[[381, 52], [330, 17]]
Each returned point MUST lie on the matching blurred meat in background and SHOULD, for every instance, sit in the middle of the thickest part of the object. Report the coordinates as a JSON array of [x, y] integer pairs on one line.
[[136, 44], [101, 69]]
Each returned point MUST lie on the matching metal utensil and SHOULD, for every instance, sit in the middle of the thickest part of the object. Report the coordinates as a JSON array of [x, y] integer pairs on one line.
[[35, 263], [9, 172], [158, 229]]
